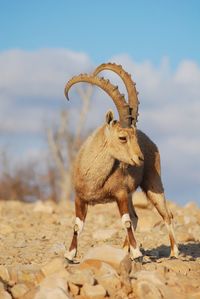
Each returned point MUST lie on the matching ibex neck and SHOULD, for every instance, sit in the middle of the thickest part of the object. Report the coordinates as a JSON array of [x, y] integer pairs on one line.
[[98, 163]]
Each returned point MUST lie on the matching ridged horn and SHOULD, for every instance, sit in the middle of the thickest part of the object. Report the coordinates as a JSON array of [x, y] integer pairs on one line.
[[110, 89], [130, 86]]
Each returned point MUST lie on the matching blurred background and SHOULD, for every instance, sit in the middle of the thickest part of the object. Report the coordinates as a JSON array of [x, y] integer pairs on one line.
[[44, 43]]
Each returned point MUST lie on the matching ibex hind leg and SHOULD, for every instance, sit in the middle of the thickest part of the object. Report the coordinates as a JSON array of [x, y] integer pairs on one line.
[[81, 212], [158, 200]]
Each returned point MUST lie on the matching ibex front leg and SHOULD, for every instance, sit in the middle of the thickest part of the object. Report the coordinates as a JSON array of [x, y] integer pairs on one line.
[[81, 212], [122, 201]]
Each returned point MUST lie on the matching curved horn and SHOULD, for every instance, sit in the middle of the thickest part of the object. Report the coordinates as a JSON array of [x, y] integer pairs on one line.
[[130, 86], [110, 89]]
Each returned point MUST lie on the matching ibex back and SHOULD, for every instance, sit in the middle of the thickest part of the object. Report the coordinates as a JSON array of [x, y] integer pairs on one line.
[[114, 161]]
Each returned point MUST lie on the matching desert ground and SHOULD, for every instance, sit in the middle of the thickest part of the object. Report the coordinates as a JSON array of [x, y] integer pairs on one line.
[[34, 237]]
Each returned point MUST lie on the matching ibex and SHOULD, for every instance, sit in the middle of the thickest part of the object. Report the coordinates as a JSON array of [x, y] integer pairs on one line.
[[115, 160]]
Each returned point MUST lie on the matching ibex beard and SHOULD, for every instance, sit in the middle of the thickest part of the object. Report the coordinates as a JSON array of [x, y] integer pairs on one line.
[[114, 161]]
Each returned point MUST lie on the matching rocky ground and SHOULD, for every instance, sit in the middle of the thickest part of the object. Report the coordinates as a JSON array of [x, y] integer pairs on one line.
[[32, 245]]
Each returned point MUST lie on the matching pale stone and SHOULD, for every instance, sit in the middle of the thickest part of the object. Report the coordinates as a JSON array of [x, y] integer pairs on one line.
[[103, 234], [74, 289], [42, 207], [147, 290], [19, 290], [55, 265], [5, 295], [4, 274], [195, 295], [148, 221], [93, 292], [53, 286], [49, 293], [28, 274], [110, 282], [104, 273], [184, 236], [140, 200], [106, 253], [55, 280], [150, 285], [190, 219], [2, 288], [80, 277]]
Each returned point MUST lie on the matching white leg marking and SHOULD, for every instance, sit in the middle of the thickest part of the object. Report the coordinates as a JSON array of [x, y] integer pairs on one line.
[[70, 255], [174, 251], [126, 220], [78, 225], [135, 252]]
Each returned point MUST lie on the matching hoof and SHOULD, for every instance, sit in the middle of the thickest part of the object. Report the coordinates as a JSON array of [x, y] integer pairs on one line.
[[138, 259], [70, 255], [136, 253], [72, 262], [175, 253]]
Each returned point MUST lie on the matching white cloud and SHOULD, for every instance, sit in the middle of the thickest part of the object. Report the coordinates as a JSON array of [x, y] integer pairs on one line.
[[31, 92]]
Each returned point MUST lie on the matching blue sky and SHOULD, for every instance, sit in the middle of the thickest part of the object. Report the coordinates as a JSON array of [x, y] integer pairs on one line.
[[44, 43], [145, 29]]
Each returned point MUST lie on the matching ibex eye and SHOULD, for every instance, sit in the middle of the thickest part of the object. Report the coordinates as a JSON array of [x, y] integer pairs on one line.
[[123, 138]]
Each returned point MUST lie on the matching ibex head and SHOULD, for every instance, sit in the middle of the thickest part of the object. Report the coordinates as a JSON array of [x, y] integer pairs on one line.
[[122, 142], [123, 136]]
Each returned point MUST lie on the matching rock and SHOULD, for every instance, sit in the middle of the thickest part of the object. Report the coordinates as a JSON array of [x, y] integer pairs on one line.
[[74, 289], [93, 291], [104, 273], [125, 269], [106, 253], [80, 277], [49, 293], [149, 286], [147, 220], [140, 200], [55, 265], [19, 290], [42, 207], [4, 274], [2, 288], [184, 236], [31, 275], [56, 280], [195, 295], [53, 286], [190, 219], [103, 234], [110, 282], [30, 294], [5, 295], [147, 290]]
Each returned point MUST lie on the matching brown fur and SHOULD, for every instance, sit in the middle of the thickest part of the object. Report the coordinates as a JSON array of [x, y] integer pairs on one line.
[[98, 176]]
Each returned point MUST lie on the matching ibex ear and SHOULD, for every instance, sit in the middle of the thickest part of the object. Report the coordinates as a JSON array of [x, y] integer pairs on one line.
[[109, 116]]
